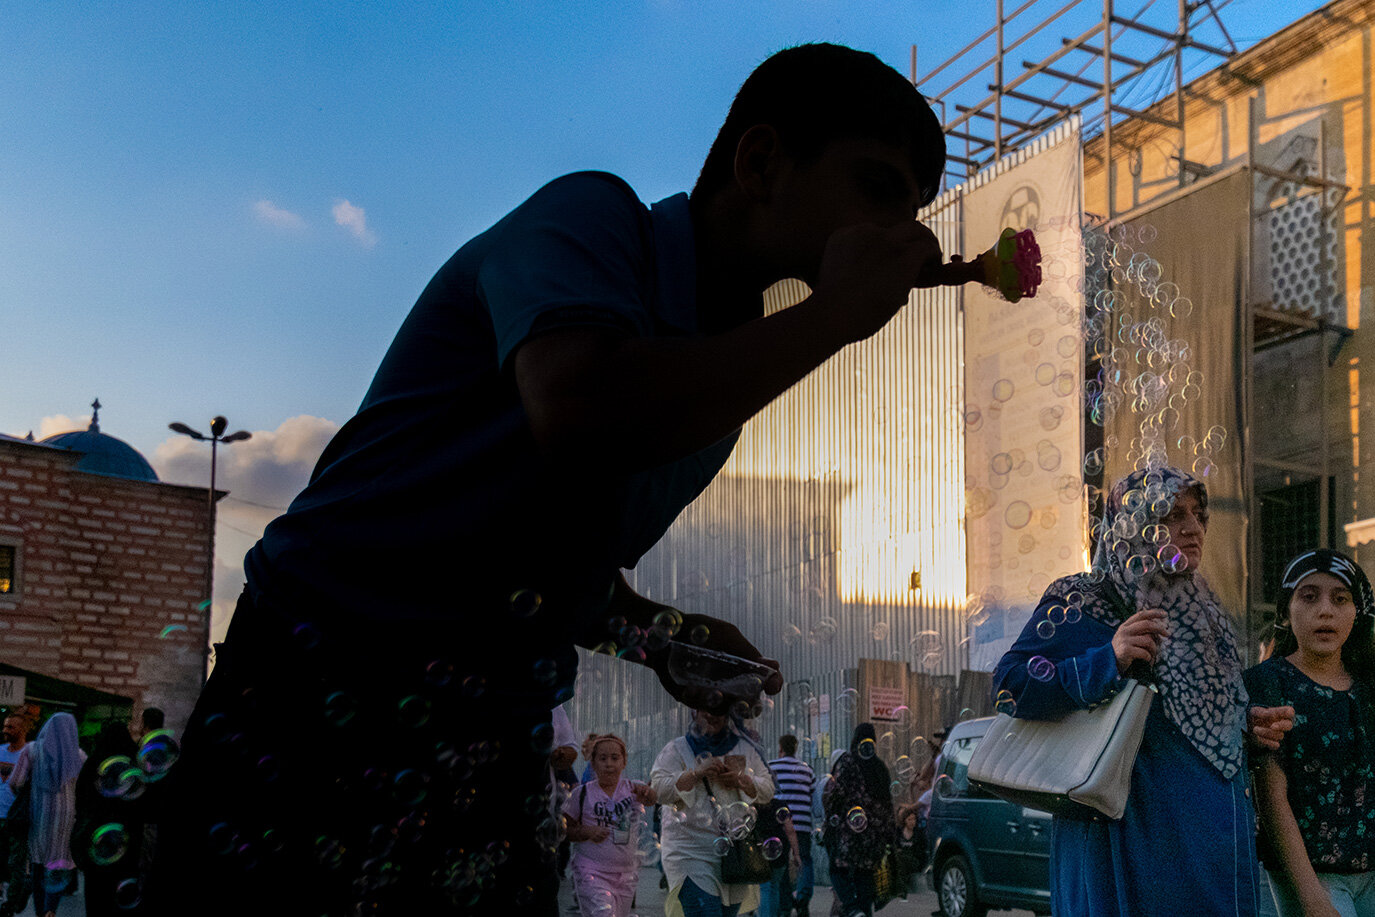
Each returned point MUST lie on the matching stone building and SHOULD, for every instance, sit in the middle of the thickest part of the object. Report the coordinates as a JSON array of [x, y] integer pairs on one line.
[[103, 573]]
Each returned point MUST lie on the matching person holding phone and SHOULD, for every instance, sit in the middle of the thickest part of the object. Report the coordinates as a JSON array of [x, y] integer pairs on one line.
[[712, 768]]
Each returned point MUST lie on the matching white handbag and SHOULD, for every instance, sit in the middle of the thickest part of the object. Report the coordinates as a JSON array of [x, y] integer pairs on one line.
[[1080, 765]]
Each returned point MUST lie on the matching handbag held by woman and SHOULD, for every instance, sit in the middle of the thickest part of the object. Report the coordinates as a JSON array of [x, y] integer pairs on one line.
[[1080, 766]]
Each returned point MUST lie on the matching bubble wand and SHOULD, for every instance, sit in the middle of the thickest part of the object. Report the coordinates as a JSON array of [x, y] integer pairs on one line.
[[1012, 266]]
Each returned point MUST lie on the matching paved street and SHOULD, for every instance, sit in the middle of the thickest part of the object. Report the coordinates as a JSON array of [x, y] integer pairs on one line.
[[649, 900]]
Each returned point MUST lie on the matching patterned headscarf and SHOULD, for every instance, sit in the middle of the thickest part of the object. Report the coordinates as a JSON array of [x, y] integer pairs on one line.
[[1358, 652], [1198, 671], [1322, 560]]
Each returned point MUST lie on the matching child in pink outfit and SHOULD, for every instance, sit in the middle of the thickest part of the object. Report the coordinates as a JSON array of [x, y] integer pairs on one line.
[[604, 817]]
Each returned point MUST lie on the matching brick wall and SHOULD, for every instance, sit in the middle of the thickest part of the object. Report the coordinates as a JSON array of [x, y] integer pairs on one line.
[[106, 566]]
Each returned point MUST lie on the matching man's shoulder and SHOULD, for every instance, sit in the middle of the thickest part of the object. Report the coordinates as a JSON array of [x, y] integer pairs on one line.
[[789, 763], [588, 188]]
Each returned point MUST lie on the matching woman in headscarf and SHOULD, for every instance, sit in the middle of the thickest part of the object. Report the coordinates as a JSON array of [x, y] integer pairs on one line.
[[1186, 839], [711, 777], [52, 762], [859, 825]]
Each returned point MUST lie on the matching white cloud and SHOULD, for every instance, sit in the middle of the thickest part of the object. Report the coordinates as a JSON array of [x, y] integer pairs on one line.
[[60, 423], [272, 215], [355, 220], [262, 475]]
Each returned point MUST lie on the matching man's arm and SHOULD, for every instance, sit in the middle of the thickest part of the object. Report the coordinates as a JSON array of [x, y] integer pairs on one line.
[[598, 399]]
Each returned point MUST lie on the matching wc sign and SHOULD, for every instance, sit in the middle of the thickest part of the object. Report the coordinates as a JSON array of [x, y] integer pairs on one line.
[[11, 690], [884, 703]]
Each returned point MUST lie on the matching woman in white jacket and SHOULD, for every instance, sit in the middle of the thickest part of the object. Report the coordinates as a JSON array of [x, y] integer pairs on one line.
[[709, 777]]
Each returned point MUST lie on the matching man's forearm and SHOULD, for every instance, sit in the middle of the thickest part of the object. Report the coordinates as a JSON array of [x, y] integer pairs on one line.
[[627, 404]]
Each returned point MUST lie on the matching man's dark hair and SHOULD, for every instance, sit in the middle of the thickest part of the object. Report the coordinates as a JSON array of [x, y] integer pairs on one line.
[[788, 745], [818, 93], [152, 718]]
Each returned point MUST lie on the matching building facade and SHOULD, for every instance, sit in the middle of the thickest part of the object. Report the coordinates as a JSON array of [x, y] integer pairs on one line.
[[102, 571]]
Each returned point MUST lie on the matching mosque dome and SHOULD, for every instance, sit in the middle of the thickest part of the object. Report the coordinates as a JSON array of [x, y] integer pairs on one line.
[[102, 453]]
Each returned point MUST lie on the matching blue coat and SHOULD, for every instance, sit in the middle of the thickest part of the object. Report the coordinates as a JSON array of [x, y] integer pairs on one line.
[[1186, 843]]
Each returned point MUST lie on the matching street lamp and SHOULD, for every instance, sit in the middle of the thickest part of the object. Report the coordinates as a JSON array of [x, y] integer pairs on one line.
[[217, 436]]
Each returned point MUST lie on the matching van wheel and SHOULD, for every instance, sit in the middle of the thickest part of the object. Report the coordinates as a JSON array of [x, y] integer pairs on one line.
[[955, 889]]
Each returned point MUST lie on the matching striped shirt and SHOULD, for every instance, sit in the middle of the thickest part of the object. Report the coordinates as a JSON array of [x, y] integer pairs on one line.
[[794, 780]]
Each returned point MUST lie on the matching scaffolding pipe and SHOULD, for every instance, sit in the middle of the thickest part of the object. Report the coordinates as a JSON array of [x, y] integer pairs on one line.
[[1107, 104]]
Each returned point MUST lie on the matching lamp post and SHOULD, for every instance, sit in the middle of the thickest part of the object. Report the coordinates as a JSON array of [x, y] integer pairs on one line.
[[217, 436]]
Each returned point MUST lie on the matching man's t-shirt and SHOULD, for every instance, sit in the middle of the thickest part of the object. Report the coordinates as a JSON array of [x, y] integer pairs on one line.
[[433, 502], [794, 781], [620, 813], [7, 762]]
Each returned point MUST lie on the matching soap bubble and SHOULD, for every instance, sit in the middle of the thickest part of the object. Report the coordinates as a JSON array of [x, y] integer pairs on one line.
[[1045, 630], [1017, 514], [1045, 374], [109, 843], [773, 848], [115, 776], [1040, 668], [856, 819], [1003, 390], [1001, 463], [525, 602]]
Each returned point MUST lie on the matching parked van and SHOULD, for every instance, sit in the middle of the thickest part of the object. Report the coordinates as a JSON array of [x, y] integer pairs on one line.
[[985, 852]]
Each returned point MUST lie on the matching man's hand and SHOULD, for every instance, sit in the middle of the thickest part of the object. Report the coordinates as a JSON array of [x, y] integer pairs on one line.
[[644, 793], [723, 637], [694, 630], [868, 272], [1266, 726]]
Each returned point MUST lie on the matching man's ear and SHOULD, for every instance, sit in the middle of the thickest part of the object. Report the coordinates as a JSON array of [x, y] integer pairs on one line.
[[757, 157]]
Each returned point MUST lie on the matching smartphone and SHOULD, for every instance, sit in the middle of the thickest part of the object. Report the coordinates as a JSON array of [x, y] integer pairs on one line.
[[733, 676], [736, 763]]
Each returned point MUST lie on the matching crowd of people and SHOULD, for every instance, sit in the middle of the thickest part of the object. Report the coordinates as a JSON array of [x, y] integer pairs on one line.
[[1269, 766], [68, 816], [568, 382], [717, 800]]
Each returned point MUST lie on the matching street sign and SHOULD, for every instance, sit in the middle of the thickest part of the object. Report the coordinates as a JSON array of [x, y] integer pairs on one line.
[[884, 703], [12, 689]]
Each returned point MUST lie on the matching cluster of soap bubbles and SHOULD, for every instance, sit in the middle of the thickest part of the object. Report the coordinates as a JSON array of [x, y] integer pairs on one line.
[[125, 778], [1145, 373], [122, 777]]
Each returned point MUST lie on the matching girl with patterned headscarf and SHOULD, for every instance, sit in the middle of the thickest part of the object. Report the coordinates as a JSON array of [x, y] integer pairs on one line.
[[1144, 611], [1315, 792]]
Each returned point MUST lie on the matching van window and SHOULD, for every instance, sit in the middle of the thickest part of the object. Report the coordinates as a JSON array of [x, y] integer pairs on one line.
[[956, 768]]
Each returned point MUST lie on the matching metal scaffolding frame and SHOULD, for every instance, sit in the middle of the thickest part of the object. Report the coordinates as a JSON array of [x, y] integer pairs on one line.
[[1124, 52], [1110, 73]]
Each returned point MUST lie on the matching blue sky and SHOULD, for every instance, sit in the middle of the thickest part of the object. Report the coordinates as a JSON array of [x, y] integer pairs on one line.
[[227, 208]]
